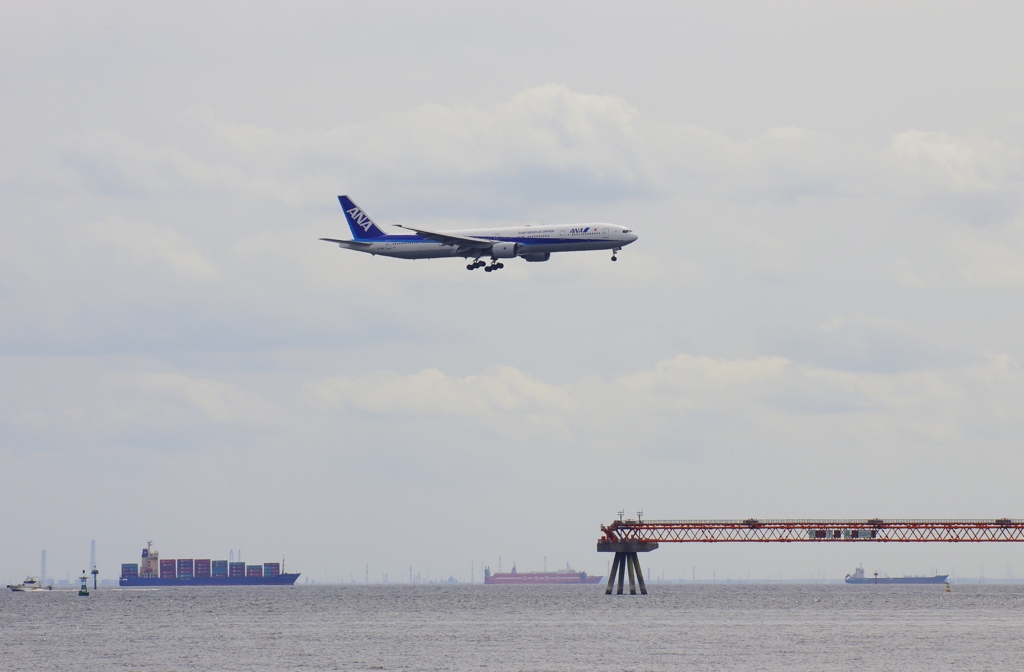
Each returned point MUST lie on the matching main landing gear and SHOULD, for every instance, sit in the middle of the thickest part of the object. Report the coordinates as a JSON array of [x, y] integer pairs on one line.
[[493, 266]]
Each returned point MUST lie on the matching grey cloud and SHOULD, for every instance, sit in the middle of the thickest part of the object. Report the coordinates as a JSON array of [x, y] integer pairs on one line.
[[863, 343], [827, 276], [546, 145], [980, 178]]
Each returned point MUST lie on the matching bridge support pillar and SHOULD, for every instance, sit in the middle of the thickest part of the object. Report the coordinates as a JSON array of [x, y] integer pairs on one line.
[[626, 560]]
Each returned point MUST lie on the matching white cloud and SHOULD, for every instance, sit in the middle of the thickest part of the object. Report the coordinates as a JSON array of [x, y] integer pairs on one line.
[[991, 258], [961, 163], [168, 409], [932, 406], [978, 178], [503, 390], [213, 400], [833, 242], [112, 163], [547, 144], [146, 243]]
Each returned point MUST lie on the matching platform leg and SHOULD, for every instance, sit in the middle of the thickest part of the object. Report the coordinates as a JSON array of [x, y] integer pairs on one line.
[[626, 560], [640, 574], [611, 575]]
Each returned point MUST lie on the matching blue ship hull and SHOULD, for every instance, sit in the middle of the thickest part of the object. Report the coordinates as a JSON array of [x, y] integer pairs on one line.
[[279, 580]]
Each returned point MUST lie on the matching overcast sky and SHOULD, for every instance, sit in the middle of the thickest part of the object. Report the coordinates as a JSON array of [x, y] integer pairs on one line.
[[822, 316]]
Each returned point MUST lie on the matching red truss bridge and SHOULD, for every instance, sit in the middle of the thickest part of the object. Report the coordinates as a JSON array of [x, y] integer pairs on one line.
[[821, 530], [627, 537]]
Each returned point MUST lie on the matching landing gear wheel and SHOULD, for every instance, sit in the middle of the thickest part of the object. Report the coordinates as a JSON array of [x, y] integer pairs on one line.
[[488, 269], [499, 265], [614, 258], [470, 267]]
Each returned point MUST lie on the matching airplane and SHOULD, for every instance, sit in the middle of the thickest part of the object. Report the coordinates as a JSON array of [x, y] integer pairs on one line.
[[532, 243]]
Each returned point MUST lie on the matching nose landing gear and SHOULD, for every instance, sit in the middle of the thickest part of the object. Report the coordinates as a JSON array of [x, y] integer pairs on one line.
[[614, 252]]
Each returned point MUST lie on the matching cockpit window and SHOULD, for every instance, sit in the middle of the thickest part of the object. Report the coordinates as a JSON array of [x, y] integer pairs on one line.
[[626, 231]]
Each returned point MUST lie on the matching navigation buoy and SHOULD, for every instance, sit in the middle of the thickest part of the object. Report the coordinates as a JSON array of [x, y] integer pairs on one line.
[[947, 586], [84, 590]]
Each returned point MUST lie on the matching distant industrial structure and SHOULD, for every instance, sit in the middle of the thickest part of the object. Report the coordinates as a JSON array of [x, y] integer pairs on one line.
[[92, 563], [626, 536]]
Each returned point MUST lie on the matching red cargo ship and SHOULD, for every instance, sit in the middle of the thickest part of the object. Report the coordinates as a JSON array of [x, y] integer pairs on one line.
[[567, 575]]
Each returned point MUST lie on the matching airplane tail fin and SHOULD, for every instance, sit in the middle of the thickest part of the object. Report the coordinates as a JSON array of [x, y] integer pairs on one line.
[[360, 223]]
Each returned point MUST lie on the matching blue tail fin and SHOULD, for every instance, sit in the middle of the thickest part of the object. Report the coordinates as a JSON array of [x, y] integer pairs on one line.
[[362, 226]]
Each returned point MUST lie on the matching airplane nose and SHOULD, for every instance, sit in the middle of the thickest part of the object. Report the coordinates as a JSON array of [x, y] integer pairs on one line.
[[631, 237]]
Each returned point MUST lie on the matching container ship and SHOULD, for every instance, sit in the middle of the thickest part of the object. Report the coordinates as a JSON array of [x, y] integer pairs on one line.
[[154, 571], [859, 577], [567, 575]]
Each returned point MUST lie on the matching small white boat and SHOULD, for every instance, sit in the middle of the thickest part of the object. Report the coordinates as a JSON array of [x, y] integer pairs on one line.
[[29, 585]]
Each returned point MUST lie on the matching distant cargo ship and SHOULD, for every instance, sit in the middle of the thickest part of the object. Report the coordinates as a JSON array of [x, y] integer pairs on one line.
[[515, 577], [859, 577], [153, 571]]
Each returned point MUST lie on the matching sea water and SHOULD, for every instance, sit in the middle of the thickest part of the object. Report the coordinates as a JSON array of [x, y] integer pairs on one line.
[[475, 627]]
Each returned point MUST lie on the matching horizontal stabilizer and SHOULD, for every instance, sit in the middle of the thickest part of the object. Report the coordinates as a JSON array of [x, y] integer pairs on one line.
[[355, 243]]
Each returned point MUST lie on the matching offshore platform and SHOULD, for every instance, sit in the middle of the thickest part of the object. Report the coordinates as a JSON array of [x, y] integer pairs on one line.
[[626, 537]]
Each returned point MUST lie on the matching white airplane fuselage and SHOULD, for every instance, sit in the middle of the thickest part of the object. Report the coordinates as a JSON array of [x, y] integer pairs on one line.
[[532, 243], [528, 240]]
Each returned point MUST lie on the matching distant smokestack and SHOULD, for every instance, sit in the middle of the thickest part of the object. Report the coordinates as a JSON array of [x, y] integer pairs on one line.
[[92, 556], [42, 569], [231, 555]]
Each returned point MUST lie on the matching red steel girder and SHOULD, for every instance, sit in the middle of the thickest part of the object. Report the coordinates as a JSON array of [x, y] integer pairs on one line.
[[823, 530]]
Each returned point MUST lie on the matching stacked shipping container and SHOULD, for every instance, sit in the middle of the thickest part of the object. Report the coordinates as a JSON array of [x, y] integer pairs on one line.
[[202, 569], [198, 569], [185, 568], [167, 569]]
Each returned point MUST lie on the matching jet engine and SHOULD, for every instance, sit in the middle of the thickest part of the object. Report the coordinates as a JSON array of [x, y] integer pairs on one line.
[[537, 256], [504, 250]]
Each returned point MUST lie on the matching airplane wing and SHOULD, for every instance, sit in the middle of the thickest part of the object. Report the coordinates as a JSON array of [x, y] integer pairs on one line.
[[448, 239]]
